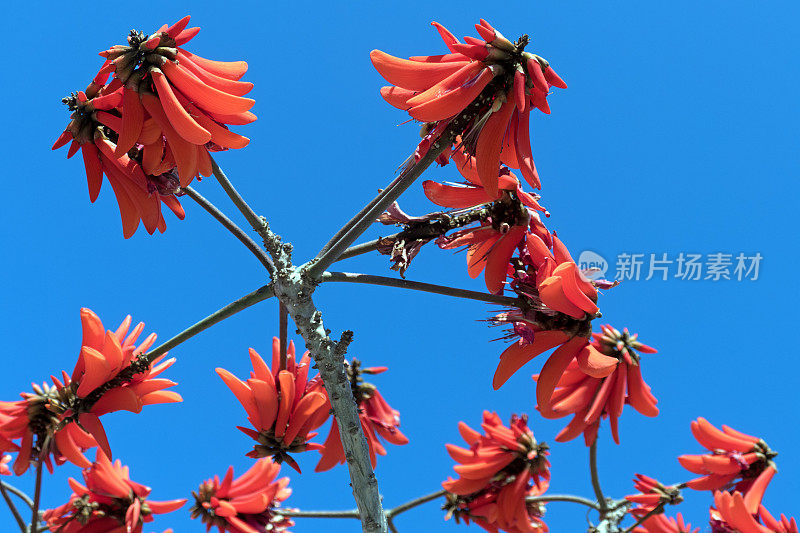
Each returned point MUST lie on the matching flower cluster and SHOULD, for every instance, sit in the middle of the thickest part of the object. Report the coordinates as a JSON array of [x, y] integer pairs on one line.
[[246, 504], [597, 384], [377, 418], [61, 421], [497, 473], [107, 501], [150, 128], [283, 405], [483, 91]]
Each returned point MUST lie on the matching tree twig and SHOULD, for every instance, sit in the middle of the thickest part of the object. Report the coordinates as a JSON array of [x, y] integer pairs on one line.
[[237, 232], [18, 493], [363, 248], [351, 277], [13, 508], [253, 219], [402, 508], [563, 498], [598, 491], [229, 310], [37, 492]]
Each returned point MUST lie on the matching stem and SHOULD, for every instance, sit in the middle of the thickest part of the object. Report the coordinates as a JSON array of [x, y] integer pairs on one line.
[[655, 510], [370, 279], [229, 310], [16, 492], [37, 494], [363, 248], [364, 219], [563, 498], [230, 226], [254, 220], [601, 500], [319, 514], [13, 508], [283, 325], [402, 508]]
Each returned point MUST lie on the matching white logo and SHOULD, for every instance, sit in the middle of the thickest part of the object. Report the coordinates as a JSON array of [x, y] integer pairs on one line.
[[593, 265]]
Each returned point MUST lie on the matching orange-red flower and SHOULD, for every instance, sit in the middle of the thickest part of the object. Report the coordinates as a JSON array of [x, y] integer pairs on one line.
[[662, 524], [108, 502], [4, 470], [283, 406], [733, 455], [63, 420], [485, 88], [742, 512], [598, 383], [487, 510], [377, 418], [151, 127], [246, 504], [652, 493]]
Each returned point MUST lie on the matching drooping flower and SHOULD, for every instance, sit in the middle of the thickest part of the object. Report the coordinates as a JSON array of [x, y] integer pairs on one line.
[[492, 514], [109, 501], [62, 420], [598, 383], [483, 90], [733, 456], [377, 418], [246, 504], [151, 127], [283, 406], [660, 523], [139, 193], [499, 470]]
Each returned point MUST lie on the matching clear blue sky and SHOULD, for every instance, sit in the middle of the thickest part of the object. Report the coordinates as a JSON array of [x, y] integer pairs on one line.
[[678, 133]]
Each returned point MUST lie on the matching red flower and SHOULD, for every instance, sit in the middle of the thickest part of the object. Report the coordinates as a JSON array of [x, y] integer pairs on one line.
[[283, 405], [150, 129], [109, 376], [4, 470], [377, 417], [662, 524], [109, 501], [246, 504], [733, 455], [485, 88], [740, 512], [498, 471], [652, 493], [598, 383]]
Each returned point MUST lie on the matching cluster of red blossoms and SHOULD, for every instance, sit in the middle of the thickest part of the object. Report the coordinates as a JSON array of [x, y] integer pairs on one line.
[[737, 470], [109, 501], [150, 128], [285, 406], [498, 472], [59, 422]]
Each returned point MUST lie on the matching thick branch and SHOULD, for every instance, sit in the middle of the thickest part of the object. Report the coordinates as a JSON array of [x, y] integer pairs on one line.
[[351, 277], [237, 232]]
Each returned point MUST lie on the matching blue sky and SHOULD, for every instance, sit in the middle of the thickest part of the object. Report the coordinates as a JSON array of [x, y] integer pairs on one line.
[[678, 134]]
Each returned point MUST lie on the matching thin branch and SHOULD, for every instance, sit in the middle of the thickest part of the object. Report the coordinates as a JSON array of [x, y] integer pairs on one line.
[[390, 523], [402, 508], [363, 248], [318, 514], [237, 232], [364, 219], [252, 218], [37, 493], [563, 498], [13, 508], [601, 500], [229, 310], [18, 493], [283, 326], [370, 279], [655, 510]]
